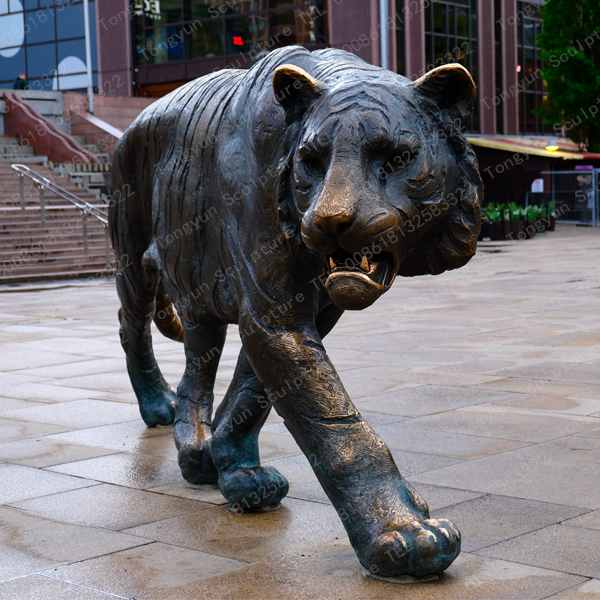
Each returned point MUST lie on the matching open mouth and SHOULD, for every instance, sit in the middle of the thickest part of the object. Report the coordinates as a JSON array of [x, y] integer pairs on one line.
[[356, 281]]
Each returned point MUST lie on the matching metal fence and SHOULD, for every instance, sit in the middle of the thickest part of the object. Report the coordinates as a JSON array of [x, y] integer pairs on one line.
[[571, 195]]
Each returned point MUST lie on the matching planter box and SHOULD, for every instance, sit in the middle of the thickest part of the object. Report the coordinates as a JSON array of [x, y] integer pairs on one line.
[[517, 229], [541, 224], [485, 230], [508, 230], [499, 231], [530, 229]]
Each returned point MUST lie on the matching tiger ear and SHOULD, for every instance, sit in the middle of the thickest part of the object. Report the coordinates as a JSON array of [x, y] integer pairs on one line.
[[452, 88], [295, 90]]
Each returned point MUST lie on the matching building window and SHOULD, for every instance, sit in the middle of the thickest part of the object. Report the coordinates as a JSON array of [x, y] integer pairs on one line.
[[498, 63], [529, 27], [238, 30], [451, 36], [45, 40], [400, 52]]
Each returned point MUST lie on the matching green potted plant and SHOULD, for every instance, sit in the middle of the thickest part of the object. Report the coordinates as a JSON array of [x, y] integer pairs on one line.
[[518, 222], [499, 223]]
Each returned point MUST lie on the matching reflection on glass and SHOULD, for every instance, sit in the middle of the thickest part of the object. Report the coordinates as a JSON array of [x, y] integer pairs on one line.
[[439, 50], [157, 12], [530, 120], [439, 18], [209, 31], [205, 40], [452, 50], [529, 77], [140, 58], [474, 54], [202, 9], [245, 34], [451, 20], [231, 7], [528, 33], [462, 22], [163, 45], [400, 67]]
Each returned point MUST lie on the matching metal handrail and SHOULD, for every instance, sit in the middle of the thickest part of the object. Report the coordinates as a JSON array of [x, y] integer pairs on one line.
[[40, 180], [41, 183]]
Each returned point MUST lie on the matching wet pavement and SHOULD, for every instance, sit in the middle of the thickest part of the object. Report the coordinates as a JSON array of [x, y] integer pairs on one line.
[[484, 382]]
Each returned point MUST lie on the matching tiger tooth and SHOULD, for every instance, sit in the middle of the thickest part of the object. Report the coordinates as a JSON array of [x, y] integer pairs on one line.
[[364, 265], [331, 263]]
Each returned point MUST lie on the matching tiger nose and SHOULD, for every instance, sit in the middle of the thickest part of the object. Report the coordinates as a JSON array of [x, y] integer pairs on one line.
[[336, 209], [332, 222]]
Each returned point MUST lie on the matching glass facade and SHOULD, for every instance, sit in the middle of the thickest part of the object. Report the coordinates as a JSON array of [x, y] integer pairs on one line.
[[166, 31], [451, 36], [400, 51], [45, 40], [529, 27], [498, 64]]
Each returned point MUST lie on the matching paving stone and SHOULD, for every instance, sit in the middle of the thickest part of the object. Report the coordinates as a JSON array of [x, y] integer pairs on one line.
[[110, 507], [413, 463], [360, 386], [8, 404], [43, 452], [559, 547], [440, 497], [14, 378], [442, 443], [249, 537], [490, 519], [22, 483], [128, 432], [572, 405], [441, 377], [29, 543], [156, 571], [43, 391], [87, 367], [205, 493], [78, 346], [484, 348], [591, 520], [534, 386], [80, 413], [276, 445], [505, 423], [312, 491], [481, 366], [557, 371], [592, 393], [130, 470], [590, 590], [376, 420], [19, 356], [331, 570], [113, 382], [297, 469], [41, 587], [426, 399], [537, 472]]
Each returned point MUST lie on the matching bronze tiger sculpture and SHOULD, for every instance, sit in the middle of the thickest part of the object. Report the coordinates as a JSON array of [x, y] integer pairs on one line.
[[276, 198]]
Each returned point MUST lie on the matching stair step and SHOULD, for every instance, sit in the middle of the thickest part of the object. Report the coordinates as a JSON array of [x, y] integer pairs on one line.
[[98, 271], [27, 252]]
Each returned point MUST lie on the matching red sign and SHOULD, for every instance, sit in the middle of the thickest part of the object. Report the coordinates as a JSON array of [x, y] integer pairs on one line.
[[237, 40]]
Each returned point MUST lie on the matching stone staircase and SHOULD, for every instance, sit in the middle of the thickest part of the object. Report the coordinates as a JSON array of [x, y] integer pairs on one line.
[[27, 251]]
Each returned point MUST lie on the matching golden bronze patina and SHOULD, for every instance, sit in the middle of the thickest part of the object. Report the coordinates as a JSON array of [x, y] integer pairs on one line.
[[276, 198]]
